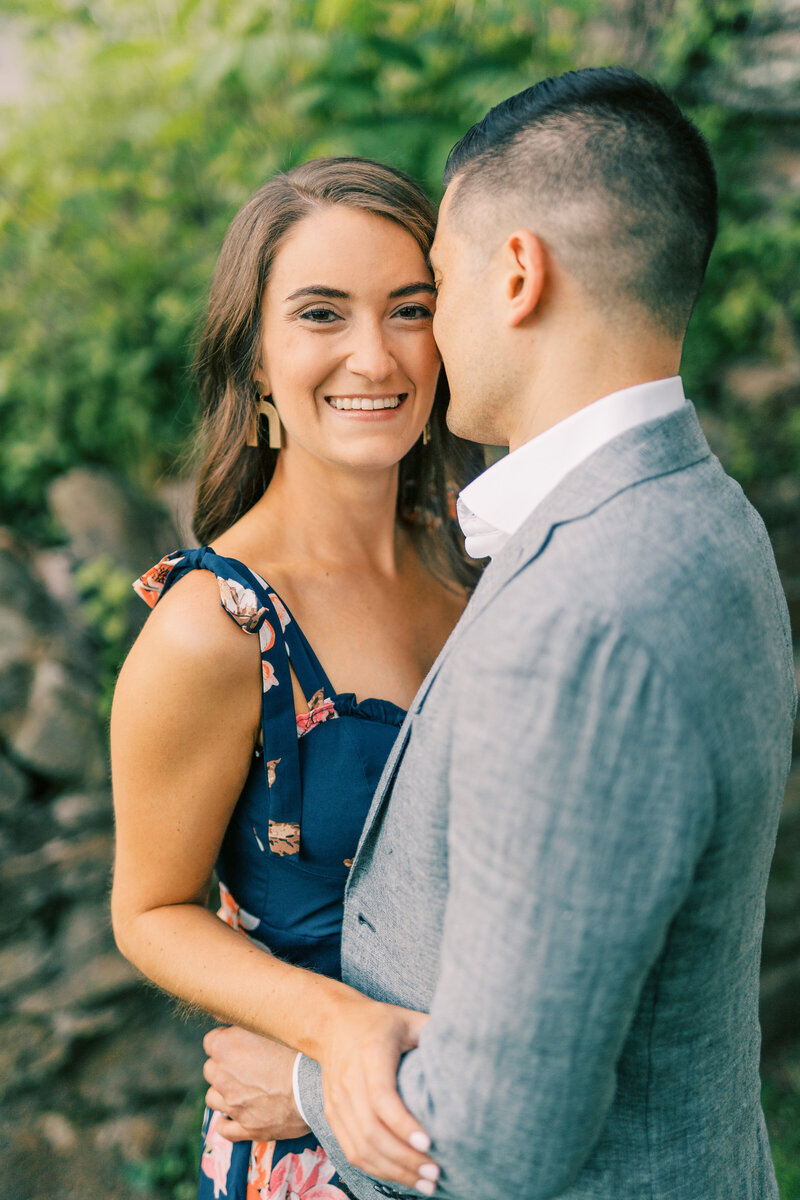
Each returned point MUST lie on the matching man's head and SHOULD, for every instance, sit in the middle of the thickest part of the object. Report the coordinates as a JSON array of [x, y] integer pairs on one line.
[[583, 208]]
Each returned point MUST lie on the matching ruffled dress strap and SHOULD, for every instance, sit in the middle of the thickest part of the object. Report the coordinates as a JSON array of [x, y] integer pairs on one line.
[[248, 600]]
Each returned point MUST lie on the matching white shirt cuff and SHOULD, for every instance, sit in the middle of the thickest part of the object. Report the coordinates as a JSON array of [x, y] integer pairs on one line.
[[296, 1088]]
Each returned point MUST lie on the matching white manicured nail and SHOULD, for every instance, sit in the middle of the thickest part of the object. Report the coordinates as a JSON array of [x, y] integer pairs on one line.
[[430, 1171], [420, 1141], [426, 1186]]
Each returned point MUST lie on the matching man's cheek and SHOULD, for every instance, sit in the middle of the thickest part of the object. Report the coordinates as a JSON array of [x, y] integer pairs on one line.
[[441, 334]]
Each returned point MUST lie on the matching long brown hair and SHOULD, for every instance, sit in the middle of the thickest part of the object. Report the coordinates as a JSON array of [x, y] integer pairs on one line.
[[233, 475]]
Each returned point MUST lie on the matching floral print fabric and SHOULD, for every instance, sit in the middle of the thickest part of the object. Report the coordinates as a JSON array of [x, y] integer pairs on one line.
[[303, 1176], [283, 896], [150, 585], [324, 711], [233, 914], [308, 1175], [252, 615], [216, 1158]]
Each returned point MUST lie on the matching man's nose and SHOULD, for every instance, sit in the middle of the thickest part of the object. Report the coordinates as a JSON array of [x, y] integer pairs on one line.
[[370, 356]]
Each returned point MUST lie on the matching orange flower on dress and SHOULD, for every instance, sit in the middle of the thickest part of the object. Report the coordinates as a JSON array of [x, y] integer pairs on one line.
[[266, 636], [284, 837], [150, 585], [323, 711], [259, 1169], [280, 609], [233, 914], [268, 677], [241, 603]]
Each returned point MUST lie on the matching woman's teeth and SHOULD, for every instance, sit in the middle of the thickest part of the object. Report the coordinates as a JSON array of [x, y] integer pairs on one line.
[[365, 403]]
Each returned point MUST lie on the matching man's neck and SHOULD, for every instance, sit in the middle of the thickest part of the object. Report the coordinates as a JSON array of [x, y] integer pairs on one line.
[[555, 393]]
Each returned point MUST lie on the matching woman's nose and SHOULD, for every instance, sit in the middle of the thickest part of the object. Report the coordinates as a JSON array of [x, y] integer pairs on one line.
[[370, 356]]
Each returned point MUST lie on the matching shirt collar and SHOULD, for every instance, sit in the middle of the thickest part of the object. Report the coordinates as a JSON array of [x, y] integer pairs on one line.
[[493, 506]]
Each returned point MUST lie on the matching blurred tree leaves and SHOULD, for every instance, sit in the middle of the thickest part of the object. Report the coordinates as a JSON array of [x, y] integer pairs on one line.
[[150, 124]]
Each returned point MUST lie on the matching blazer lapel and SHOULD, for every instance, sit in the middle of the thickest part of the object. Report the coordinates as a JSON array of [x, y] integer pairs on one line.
[[645, 452]]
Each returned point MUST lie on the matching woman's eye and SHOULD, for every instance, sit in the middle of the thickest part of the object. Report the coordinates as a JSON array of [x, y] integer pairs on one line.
[[413, 312], [319, 316]]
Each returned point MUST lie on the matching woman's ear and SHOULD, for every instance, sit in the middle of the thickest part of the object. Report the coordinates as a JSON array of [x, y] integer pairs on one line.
[[526, 262]]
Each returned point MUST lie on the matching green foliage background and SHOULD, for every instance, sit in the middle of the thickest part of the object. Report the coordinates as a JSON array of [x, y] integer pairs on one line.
[[153, 120]]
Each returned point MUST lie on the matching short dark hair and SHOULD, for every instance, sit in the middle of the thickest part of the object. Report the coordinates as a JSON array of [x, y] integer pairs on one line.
[[622, 181]]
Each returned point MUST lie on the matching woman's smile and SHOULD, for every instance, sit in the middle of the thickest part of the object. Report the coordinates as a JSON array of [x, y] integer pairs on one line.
[[366, 407]]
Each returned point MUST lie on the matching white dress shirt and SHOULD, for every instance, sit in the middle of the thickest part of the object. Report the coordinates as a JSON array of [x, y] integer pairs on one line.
[[493, 506]]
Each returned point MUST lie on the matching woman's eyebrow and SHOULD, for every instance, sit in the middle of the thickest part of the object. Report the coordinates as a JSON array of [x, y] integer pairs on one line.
[[319, 289], [411, 289]]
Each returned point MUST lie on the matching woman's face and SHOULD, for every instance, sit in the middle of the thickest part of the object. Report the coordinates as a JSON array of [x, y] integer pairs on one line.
[[347, 348]]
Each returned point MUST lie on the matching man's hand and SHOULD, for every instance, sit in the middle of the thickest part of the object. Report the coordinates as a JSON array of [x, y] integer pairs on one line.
[[250, 1081]]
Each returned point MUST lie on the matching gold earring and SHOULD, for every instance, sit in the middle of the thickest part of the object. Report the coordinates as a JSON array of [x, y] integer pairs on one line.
[[266, 408], [426, 433]]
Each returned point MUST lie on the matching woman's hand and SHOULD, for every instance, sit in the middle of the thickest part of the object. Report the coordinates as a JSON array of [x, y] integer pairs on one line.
[[250, 1083], [359, 1062]]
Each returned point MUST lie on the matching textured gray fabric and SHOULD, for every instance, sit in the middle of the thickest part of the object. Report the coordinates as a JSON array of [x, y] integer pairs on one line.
[[567, 856]]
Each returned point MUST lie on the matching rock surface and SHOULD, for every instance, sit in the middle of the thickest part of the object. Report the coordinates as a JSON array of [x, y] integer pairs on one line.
[[58, 736], [93, 1066], [103, 519]]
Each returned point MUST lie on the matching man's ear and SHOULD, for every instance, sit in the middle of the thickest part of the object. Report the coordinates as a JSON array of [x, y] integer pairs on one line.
[[526, 262]]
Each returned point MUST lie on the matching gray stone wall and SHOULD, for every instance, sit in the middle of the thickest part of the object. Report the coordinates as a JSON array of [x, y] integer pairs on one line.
[[94, 1066]]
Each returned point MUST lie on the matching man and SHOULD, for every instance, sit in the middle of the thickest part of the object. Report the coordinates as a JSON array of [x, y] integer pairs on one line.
[[566, 860]]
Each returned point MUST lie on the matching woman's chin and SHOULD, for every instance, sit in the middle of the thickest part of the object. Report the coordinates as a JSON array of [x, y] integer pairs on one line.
[[372, 448], [375, 458]]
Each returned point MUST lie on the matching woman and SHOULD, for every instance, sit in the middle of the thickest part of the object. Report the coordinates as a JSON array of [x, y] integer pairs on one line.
[[330, 528]]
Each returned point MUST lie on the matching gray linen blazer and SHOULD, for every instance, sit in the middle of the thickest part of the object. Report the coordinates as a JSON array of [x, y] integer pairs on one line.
[[566, 859]]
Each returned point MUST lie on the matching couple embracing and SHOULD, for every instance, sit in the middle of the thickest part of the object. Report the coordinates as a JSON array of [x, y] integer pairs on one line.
[[492, 847]]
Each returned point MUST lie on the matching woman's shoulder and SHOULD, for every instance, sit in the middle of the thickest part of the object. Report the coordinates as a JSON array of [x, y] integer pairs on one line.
[[191, 672], [189, 623]]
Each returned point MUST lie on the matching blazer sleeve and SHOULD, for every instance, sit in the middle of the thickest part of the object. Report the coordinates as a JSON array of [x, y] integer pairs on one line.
[[580, 801]]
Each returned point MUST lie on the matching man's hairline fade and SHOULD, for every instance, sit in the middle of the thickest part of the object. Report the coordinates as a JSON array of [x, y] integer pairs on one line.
[[484, 162]]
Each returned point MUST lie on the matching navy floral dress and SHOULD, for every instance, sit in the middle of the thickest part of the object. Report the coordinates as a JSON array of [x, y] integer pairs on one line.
[[287, 851]]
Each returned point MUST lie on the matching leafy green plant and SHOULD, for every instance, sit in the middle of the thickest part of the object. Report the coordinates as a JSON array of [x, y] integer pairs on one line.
[[781, 1101], [151, 123], [172, 1174], [108, 607]]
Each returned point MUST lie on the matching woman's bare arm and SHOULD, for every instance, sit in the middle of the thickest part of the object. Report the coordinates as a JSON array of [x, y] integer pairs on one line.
[[184, 723]]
